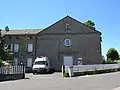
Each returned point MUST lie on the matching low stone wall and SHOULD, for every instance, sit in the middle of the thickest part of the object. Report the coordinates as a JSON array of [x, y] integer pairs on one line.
[[7, 77], [93, 72]]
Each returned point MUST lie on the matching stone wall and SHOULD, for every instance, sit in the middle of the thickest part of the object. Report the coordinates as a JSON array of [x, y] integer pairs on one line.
[[7, 77]]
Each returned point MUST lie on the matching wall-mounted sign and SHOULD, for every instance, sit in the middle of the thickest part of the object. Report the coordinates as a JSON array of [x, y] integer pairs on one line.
[[80, 62], [79, 58]]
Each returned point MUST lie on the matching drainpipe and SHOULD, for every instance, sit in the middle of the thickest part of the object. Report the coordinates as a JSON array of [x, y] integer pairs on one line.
[[35, 45]]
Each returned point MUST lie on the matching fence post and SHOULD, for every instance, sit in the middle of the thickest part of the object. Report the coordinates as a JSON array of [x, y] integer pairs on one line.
[[23, 73], [70, 71], [63, 70]]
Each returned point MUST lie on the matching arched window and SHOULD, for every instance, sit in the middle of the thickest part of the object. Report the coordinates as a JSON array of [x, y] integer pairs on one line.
[[67, 42]]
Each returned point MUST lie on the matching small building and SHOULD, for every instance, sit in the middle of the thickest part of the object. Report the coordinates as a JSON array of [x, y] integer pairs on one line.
[[66, 42]]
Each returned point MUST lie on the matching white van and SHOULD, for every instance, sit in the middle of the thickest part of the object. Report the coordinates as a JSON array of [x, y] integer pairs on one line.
[[41, 65]]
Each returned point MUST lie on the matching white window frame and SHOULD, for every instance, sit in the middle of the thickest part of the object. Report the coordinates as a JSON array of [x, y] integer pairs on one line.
[[16, 47], [67, 42], [29, 62], [30, 47]]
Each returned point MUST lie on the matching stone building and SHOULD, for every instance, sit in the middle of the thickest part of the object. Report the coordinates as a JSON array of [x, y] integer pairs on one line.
[[67, 42]]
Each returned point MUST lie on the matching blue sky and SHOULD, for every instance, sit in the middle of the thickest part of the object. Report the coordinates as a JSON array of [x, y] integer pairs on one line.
[[42, 13]]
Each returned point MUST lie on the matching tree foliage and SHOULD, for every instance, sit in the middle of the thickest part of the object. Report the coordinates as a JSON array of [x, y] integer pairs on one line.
[[1, 63], [6, 28], [112, 54], [2, 51], [90, 23], [103, 59]]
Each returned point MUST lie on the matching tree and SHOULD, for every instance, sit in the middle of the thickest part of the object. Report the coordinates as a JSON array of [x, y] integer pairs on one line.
[[103, 59], [2, 51], [90, 23], [1, 63], [6, 28], [112, 54]]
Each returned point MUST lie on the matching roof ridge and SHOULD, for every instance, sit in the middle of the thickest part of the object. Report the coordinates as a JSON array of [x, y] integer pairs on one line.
[[27, 29], [21, 31], [93, 28]]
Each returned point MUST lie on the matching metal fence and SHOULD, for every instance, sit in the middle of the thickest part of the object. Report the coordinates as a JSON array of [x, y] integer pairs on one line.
[[12, 70], [83, 68]]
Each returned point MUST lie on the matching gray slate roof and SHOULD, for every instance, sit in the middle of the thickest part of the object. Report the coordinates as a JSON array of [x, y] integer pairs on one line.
[[21, 32]]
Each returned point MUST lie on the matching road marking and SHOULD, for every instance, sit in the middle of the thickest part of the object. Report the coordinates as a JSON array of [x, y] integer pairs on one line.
[[116, 88], [4, 82]]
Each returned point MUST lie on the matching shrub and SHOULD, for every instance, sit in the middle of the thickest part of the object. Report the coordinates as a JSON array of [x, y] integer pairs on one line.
[[1, 63]]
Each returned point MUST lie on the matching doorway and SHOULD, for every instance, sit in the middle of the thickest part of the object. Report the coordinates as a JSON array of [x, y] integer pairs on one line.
[[68, 60]]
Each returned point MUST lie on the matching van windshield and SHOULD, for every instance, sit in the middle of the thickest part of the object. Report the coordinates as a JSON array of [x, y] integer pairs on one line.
[[40, 63]]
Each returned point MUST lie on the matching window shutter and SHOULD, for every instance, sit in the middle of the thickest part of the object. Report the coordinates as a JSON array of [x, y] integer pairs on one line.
[[30, 47], [16, 47], [11, 47]]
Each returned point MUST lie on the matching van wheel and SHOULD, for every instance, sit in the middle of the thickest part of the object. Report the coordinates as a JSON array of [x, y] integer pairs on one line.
[[52, 70], [33, 73]]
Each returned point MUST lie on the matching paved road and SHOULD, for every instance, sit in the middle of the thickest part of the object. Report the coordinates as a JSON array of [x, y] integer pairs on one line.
[[56, 82]]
